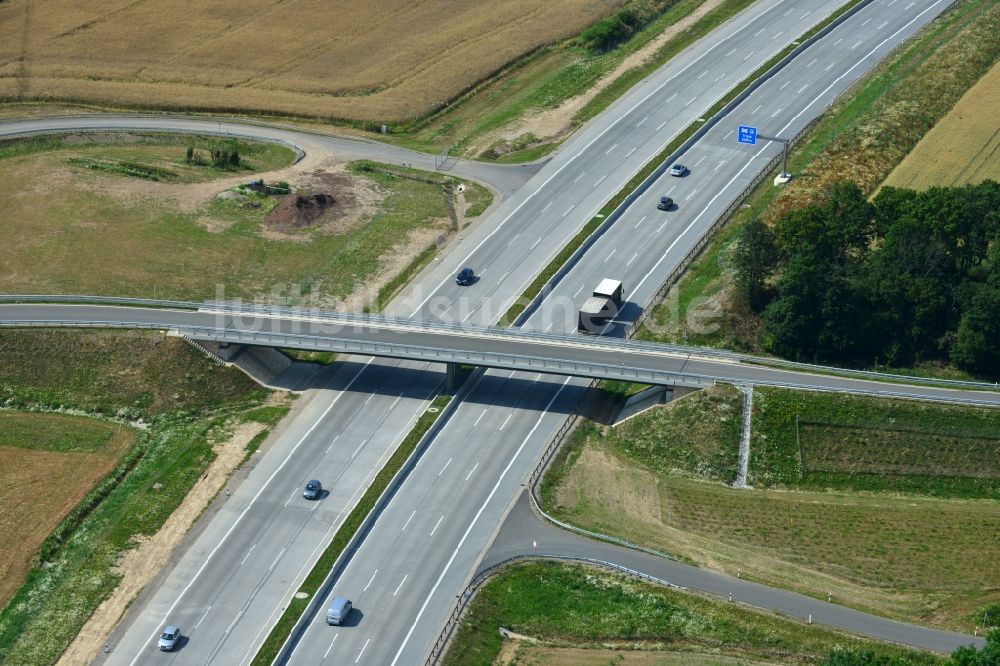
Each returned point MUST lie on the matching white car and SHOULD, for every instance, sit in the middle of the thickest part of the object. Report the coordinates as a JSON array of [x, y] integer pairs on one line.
[[169, 638]]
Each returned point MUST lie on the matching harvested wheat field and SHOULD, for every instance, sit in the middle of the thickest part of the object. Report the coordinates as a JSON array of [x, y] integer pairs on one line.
[[385, 60], [964, 146], [48, 462]]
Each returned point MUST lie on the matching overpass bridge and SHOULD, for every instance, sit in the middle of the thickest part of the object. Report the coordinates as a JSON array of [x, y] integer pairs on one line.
[[460, 344]]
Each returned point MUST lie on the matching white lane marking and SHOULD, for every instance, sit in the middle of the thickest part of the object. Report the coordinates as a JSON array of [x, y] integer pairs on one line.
[[327, 653], [811, 63], [273, 564], [776, 112], [233, 623], [358, 450], [445, 467], [702, 74], [671, 97], [535, 244], [370, 396], [398, 587], [398, 397], [475, 519], [248, 554], [856, 45], [505, 420], [609, 256], [660, 228], [546, 206], [730, 53], [203, 617], [802, 88], [331, 445], [471, 471], [759, 152], [362, 650], [629, 153], [632, 259], [891, 3], [637, 226], [438, 523], [579, 290], [291, 497], [249, 506], [865, 22], [728, 135], [370, 580], [719, 165], [701, 160], [514, 238], [642, 121], [690, 102], [569, 210], [479, 419], [599, 181], [776, 35], [579, 177], [788, 12], [883, 25], [671, 190], [549, 327], [693, 192], [757, 34], [829, 67], [661, 125], [782, 87], [583, 150], [838, 41], [608, 151], [408, 520], [719, 78], [756, 110]]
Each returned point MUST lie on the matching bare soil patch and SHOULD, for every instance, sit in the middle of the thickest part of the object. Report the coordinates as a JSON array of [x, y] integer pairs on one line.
[[140, 565], [37, 490]]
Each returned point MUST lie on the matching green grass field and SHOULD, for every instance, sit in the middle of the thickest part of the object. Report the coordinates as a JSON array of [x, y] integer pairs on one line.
[[889, 523], [72, 229], [188, 403], [579, 607]]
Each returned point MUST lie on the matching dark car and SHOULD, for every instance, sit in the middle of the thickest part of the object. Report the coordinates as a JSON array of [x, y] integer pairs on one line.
[[168, 639], [678, 170], [465, 277], [665, 203], [313, 490]]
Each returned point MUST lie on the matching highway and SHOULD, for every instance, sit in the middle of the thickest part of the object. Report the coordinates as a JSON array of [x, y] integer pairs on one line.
[[515, 241], [428, 542], [562, 354]]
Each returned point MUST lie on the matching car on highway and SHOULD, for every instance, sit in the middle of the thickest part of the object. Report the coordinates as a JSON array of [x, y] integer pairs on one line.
[[666, 203], [678, 170], [169, 638], [465, 277], [338, 611], [313, 490]]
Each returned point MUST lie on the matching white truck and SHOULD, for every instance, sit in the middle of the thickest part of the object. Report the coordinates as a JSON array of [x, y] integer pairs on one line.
[[603, 306]]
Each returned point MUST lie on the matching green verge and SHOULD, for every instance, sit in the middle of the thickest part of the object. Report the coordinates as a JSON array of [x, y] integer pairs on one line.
[[188, 402], [824, 440], [279, 634], [320, 357], [550, 270], [575, 606], [919, 93]]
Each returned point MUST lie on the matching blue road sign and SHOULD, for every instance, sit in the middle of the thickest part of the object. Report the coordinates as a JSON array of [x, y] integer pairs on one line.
[[747, 134]]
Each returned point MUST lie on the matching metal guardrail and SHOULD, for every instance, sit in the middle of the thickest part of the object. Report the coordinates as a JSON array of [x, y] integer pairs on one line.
[[403, 324]]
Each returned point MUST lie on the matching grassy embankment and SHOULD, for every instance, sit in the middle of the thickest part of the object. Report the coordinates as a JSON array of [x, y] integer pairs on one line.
[[188, 404], [862, 138], [889, 506], [577, 615], [111, 233]]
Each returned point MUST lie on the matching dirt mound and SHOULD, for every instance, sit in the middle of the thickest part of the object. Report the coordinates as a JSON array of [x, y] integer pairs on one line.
[[298, 212]]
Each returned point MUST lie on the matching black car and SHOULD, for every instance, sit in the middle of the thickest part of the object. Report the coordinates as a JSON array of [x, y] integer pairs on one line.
[[313, 490], [465, 277], [665, 203]]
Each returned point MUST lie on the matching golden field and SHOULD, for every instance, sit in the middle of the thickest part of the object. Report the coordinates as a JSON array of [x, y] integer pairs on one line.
[[381, 60], [963, 147]]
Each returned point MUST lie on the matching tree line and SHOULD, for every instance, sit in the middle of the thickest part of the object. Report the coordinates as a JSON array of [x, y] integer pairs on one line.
[[909, 276]]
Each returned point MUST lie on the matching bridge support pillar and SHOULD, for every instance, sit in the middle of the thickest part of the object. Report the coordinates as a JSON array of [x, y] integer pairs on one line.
[[453, 378]]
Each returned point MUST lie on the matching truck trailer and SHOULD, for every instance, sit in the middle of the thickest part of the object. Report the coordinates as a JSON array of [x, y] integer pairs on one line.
[[601, 308]]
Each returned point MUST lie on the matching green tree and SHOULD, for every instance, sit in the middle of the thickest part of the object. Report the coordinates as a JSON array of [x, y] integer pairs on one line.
[[970, 656], [755, 259]]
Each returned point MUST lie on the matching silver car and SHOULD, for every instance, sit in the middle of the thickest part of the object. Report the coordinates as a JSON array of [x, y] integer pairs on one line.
[[169, 638], [678, 170]]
